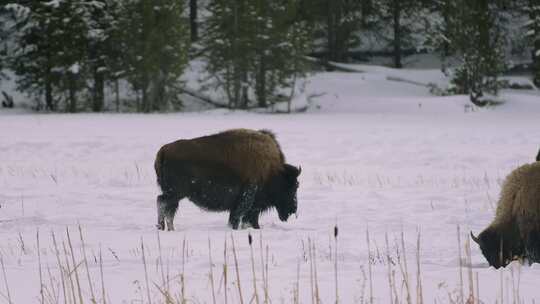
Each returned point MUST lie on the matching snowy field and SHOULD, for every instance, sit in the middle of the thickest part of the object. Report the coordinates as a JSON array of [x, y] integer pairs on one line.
[[375, 154]]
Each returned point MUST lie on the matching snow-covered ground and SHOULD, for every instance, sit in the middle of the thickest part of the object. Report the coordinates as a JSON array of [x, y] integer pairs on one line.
[[375, 153]]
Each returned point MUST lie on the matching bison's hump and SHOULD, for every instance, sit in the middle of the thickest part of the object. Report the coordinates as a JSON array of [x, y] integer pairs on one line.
[[520, 194], [251, 155]]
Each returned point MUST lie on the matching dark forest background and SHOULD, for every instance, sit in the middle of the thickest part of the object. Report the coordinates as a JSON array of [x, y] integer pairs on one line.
[[130, 55]]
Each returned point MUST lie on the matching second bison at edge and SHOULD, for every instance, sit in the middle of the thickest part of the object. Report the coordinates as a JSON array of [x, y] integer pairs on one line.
[[241, 171]]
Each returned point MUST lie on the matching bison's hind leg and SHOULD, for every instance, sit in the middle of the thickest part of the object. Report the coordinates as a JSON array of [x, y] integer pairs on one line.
[[532, 247], [167, 204], [253, 218]]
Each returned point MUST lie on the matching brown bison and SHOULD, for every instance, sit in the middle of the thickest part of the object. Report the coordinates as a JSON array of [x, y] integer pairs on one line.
[[515, 231], [241, 171]]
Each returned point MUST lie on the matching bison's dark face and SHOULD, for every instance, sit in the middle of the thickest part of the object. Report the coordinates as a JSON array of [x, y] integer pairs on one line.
[[495, 250], [285, 195]]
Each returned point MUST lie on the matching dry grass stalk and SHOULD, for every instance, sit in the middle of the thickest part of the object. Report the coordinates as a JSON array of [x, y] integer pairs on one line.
[[266, 285], [516, 285], [103, 294], [52, 295], [315, 276], [404, 269], [211, 274], [145, 272], [311, 272], [85, 259], [296, 295], [182, 275], [369, 267], [469, 271], [389, 264], [263, 270], [460, 259], [60, 268], [363, 285], [255, 293], [237, 271], [419, 293], [5, 280], [225, 266], [477, 288], [21, 244], [336, 231], [41, 293], [75, 268], [69, 276], [164, 282]]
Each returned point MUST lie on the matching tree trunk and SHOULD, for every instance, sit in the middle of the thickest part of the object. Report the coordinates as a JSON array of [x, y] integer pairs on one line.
[[98, 92], [331, 30], [261, 83], [193, 12], [396, 12], [117, 94], [49, 102], [72, 93], [244, 99], [534, 9]]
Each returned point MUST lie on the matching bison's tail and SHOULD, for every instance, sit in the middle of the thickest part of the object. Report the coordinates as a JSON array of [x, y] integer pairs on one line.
[[158, 166]]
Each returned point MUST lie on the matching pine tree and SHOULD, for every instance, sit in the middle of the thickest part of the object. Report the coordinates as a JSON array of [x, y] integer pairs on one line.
[[533, 33], [405, 18], [253, 49], [35, 55], [156, 42], [193, 22], [103, 52], [71, 39], [338, 22], [3, 41], [477, 39]]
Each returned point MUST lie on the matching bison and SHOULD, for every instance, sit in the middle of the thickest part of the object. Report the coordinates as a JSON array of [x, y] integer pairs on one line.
[[515, 231], [241, 171]]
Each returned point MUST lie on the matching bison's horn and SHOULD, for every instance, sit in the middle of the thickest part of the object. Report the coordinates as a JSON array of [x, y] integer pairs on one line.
[[299, 170], [475, 239]]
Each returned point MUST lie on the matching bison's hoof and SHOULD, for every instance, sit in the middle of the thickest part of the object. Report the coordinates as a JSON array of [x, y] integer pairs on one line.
[[160, 226]]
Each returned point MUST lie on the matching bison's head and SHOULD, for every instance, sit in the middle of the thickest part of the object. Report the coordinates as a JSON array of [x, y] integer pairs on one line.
[[497, 250], [285, 192]]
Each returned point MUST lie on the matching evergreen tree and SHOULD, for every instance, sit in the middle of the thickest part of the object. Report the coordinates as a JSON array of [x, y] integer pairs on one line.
[[193, 22], [405, 18], [533, 33], [156, 43], [254, 49], [476, 37], [35, 56], [3, 41], [71, 49], [103, 53], [338, 22]]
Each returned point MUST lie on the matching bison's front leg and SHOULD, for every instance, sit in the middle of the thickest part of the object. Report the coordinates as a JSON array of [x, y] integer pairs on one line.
[[253, 219], [243, 206], [166, 209]]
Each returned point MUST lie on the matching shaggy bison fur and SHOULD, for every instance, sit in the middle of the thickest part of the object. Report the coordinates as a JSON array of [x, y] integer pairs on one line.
[[515, 231], [241, 171]]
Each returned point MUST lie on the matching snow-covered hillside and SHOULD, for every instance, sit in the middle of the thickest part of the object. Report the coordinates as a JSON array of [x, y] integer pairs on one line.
[[375, 153]]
